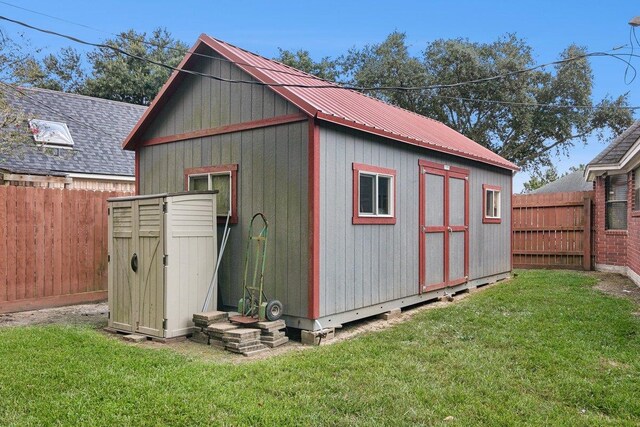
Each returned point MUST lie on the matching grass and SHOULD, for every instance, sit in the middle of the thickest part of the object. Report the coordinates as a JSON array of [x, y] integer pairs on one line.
[[542, 349]]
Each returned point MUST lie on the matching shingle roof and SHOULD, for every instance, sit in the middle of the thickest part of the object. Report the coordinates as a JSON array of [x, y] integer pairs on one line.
[[337, 105], [97, 126], [573, 181], [618, 147]]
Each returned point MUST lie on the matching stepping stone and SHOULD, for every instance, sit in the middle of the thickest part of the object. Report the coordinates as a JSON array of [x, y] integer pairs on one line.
[[221, 327], [134, 338], [276, 343]]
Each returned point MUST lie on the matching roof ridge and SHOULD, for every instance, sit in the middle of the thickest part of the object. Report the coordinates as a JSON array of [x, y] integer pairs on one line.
[[336, 84], [293, 69], [78, 95]]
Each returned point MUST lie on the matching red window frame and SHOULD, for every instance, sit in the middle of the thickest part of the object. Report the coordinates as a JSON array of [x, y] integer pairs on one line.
[[485, 219], [357, 218], [232, 169]]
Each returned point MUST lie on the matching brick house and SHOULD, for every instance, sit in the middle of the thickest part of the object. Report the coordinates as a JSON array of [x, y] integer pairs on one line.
[[616, 174]]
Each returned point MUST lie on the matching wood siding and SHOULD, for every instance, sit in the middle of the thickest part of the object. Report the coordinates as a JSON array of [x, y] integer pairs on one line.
[[54, 247], [553, 230], [364, 265], [272, 178], [203, 103]]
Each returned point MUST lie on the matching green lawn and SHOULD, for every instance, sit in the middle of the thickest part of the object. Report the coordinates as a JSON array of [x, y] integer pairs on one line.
[[542, 349]]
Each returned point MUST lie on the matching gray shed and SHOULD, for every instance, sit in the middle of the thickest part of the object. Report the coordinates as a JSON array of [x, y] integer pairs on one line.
[[371, 207]]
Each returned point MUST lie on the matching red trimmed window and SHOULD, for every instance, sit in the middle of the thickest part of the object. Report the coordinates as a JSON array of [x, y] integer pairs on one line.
[[374, 195], [492, 206], [223, 178]]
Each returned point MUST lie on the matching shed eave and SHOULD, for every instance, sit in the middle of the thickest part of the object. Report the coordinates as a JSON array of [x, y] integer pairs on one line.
[[418, 143]]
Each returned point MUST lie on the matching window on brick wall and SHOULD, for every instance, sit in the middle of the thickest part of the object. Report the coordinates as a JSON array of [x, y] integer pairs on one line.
[[615, 202]]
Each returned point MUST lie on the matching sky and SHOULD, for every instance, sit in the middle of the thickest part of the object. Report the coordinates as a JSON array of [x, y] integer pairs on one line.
[[330, 28]]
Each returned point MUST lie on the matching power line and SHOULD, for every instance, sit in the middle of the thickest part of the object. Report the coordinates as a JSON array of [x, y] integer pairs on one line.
[[321, 86], [157, 45], [526, 104]]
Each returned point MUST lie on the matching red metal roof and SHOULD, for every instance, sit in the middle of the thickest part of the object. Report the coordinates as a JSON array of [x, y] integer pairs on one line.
[[347, 107]]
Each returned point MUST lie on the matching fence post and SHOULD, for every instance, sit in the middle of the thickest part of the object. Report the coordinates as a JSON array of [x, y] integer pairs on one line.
[[586, 242]]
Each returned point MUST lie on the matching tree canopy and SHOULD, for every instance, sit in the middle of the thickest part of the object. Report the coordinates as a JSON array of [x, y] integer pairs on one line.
[[106, 73], [524, 116]]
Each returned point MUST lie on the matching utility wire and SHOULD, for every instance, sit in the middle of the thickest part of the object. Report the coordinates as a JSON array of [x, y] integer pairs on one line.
[[319, 86], [158, 45], [525, 104]]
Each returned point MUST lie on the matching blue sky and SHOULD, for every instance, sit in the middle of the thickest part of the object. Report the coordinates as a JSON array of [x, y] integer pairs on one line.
[[329, 28]]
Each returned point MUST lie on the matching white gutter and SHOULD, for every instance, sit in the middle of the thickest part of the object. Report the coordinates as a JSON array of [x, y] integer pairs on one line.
[[629, 161], [102, 177]]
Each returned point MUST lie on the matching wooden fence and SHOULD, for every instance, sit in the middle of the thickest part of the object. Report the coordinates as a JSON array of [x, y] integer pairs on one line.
[[53, 246], [552, 230]]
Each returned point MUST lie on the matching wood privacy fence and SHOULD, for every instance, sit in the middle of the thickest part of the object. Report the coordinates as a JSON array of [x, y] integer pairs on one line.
[[53, 246], [552, 230]]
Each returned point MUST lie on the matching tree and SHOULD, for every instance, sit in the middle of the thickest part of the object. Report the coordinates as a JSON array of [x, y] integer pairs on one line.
[[496, 113], [326, 68], [62, 71], [541, 178], [122, 78], [387, 64]]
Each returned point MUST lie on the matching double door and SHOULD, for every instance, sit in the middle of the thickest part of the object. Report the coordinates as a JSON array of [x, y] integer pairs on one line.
[[444, 226], [136, 269]]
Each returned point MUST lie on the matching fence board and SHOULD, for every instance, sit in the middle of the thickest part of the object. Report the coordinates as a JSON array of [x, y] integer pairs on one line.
[[54, 246], [552, 230]]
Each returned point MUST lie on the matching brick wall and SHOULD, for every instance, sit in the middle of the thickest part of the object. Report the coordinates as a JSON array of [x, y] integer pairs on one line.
[[611, 245], [633, 239]]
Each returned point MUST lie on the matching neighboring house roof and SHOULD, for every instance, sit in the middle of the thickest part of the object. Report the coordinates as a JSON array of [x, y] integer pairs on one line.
[[618, 147], [622, 154], [97, 126], [334, 104], [573, 181]]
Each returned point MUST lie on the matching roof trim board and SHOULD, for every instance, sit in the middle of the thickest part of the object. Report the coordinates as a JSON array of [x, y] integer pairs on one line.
[[354, 110]]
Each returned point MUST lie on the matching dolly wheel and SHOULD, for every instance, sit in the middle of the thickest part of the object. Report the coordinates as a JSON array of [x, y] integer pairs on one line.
[[274, 310]]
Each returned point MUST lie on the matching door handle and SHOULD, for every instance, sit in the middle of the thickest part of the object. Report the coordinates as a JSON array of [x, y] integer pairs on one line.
[[449, 229], [134, 263]]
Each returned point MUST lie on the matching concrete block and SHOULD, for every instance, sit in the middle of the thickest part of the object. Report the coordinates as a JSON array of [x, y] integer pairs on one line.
[[391, 314], [275, 343], [316, 337], [134, 338], [200, 337]]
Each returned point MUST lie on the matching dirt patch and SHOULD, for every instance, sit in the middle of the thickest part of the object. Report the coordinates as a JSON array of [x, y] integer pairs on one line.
[[617, 285], [94, 315]]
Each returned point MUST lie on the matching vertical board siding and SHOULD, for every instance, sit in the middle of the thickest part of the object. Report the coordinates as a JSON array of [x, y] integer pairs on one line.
[[549, 230], [54, 244], [272, 178], [201, 103], [363, 265]]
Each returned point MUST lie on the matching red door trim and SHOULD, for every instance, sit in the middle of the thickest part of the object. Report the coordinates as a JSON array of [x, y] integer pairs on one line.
[[447, 172]]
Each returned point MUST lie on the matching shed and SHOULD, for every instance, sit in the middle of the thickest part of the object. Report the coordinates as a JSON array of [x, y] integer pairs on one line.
[[371, 207]]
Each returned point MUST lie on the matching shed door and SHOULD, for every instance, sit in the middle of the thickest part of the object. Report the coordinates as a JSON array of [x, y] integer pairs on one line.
[[150, 274], [136, 269], [444, 226], [121, 246]]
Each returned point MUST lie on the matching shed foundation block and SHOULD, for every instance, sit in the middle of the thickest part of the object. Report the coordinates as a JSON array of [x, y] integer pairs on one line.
[[391, 314], [316, 337]]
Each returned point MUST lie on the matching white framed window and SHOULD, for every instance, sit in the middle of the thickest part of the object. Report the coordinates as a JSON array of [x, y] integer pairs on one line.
[[51, 134], [492, 204], [373, 195], [221, 178], [615, 199]]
